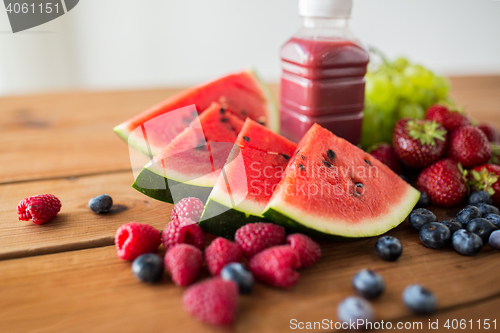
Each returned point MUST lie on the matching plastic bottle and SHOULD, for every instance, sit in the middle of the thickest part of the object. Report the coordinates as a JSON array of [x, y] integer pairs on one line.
[[323, 73]]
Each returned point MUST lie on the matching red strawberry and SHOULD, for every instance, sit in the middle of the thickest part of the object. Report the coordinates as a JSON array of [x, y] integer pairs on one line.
[[485, 178], [385, 154], [418, 143], [469, 146], [450, 118], [444, 182], [490, 131]]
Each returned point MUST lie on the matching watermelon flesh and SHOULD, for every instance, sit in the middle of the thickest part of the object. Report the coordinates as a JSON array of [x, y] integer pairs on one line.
[[253, 170], [242, 94], [191, 163], [333, 187]]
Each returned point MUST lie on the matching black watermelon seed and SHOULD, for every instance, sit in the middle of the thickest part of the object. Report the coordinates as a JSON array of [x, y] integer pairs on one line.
[[327, 164], [286, 156], [194, 114], [297, 152], [186, 120], [202, 147], [302, 167], [368, 162], [357, 186], [224, 120], [222, 110], [303, 157], [331, 154], [243, 112], [262, 123], [246, 138]]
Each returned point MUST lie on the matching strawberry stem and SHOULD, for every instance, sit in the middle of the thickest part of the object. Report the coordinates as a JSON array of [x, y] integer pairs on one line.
[[483, 181], [425, 131]]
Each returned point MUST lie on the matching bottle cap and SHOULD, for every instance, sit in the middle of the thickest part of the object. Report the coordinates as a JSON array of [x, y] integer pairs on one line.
[[325, 8]]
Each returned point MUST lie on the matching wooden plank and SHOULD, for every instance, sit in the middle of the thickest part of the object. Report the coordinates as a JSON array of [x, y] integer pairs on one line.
[[67, 134], [76, 226], [92, 290]]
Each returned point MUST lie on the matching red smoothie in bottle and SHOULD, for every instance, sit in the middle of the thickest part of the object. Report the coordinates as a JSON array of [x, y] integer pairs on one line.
[[323, 75]]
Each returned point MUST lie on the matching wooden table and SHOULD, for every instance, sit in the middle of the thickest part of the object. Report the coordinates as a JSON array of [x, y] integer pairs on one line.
[[64, 276]]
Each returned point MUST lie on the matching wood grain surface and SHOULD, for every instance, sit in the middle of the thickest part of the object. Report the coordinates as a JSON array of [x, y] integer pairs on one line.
[[64, 276]]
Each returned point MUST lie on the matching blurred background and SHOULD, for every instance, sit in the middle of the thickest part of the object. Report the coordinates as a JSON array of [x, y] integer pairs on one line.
[[129, 44]]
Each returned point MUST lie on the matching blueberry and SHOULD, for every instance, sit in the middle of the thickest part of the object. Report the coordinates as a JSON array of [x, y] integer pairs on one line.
[[423, 201], [420, 217], [466, 243], [434, 235], [388, 248], [453, 225], [480, 197], [494, 240], [487, 209], [481, 227], [148, 267], [237, 273], [101, 203], [493, 218], [355, 308], [368, 284], [468, 213], [419, 299]]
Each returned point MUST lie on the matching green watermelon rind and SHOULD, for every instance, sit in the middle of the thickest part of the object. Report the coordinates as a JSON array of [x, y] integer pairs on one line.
[[138, 143], [157, 187], [225, 224], [295, 220]]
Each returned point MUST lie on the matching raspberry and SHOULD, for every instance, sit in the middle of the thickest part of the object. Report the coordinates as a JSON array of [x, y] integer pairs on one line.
[[183, 231], [276, 266], [133, 239], [308, 250], [255, 237], [189, 208], [39, 208], [214, 301], [183, 262], [220, 253]]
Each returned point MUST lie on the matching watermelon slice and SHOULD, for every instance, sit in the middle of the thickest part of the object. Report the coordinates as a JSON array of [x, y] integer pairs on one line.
[[191, 163], [333, 187], [255, 167], [242, 94]]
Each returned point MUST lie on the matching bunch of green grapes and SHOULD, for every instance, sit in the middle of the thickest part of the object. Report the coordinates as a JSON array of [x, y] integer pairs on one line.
[[396, 90]]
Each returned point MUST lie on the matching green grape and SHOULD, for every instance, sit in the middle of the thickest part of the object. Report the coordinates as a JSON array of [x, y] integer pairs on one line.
[[386, 126], [371, 132], [400, 63], [440, 87], [412, 110], [402, 85], [395, 90], [380, 91], [419, 76]]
